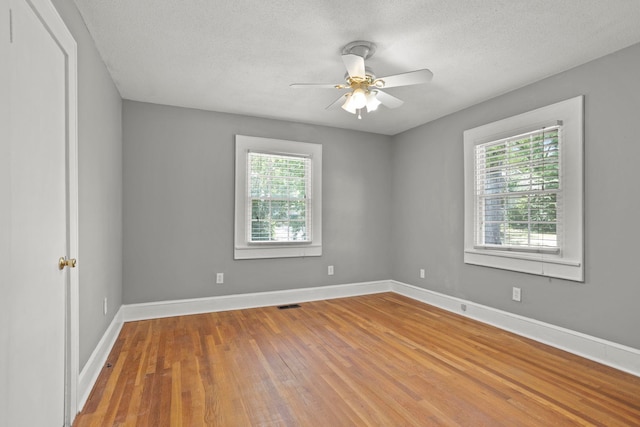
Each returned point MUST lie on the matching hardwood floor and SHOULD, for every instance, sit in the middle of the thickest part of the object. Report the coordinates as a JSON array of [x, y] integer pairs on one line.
[[376, 360]]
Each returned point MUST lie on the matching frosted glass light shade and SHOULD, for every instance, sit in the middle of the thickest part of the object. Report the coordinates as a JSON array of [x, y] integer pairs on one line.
[[348, 105], [372, 101], [359, 98]]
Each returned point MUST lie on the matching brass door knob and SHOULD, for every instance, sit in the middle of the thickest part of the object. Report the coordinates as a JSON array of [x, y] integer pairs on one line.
[[64, 262]]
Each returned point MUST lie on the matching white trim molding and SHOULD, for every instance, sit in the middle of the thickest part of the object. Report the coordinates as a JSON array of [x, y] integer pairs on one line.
[[608, 353], [89, 373], [155, 310]]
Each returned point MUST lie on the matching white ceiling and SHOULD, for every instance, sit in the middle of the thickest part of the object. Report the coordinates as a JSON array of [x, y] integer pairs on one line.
[[239, 56]]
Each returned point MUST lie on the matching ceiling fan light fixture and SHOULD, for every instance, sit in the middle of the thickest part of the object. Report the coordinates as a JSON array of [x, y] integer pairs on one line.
[[372, 101], [348, 105], [359, 98], [364, 89]]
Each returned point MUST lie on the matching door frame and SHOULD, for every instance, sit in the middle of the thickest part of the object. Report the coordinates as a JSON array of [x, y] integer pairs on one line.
[[59, 31]]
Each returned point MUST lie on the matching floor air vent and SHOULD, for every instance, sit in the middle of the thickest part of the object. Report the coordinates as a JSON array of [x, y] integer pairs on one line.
[[286, 307]]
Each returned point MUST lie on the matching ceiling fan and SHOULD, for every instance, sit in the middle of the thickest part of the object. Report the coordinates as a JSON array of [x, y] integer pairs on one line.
[[363, 85]]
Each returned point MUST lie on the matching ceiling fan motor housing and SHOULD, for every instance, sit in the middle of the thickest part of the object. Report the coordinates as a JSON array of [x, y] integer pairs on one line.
[[368, 74]]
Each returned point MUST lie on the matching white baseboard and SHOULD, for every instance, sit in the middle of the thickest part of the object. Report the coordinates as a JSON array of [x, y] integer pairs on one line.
[[602, 351], [91, 370], [606, 352], [155, 310]]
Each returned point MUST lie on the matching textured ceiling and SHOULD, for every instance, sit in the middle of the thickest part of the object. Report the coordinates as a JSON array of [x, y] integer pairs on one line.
[[239, 56]]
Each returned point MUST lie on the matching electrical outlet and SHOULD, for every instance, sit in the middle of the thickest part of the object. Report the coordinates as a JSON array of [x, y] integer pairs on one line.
[[516, 294], [104, 306], [330, 270], [422, 273], [219, 278]]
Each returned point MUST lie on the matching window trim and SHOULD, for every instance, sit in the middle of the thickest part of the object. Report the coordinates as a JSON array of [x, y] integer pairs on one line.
[[569, 262], [244, 249]]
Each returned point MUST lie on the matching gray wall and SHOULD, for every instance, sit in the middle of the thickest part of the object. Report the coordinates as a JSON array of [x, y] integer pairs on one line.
[[100, 175], [179, 206], [428, 183], [5, 210]]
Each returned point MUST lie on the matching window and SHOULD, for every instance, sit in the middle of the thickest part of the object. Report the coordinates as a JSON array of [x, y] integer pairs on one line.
[[278, 207], [517, 192], [278, 198], [523, 192]]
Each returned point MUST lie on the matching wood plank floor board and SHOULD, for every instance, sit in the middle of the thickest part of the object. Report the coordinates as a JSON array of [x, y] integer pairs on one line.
[[375, 360]]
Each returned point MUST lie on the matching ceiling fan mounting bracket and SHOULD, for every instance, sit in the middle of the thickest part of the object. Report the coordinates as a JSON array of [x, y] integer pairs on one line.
[[361, 48]]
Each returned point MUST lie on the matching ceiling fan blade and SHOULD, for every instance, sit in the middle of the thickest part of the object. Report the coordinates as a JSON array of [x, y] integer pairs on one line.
[[387, 100], [354, 64], [337, 102], [405, 79], [318, 85]]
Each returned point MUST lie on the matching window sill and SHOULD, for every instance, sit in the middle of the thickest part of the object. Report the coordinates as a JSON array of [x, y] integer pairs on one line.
[[539, 264], [276, 251], [537, 257]]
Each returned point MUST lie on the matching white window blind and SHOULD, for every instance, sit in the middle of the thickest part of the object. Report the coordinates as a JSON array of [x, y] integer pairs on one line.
[[518, 187], [279, 208]]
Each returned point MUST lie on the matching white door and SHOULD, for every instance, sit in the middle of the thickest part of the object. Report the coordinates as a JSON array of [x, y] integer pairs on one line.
[[39, 134]]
